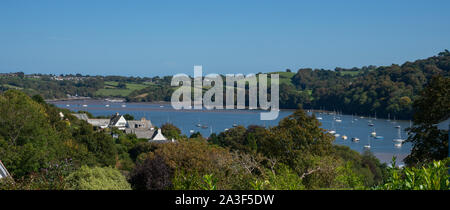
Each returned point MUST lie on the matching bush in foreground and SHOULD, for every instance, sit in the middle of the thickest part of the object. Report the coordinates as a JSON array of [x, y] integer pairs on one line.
[[97, 178]]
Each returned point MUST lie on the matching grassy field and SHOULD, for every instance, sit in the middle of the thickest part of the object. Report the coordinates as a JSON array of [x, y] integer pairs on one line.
[[352, 73], [110, 89]]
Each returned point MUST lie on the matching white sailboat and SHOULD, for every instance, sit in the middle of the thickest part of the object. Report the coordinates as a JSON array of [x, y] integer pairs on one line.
[[399, 136], [332, 131], [373, 133], [344, 137], [367, 146]]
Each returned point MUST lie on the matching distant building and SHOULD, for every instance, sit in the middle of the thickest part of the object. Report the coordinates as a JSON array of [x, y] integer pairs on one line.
[[3, 172], [142, 128], [118, 121], [158, 137]]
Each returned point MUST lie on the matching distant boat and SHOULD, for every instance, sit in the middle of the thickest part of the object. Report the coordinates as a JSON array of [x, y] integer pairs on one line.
[[355, 139], [379, 137], [225, 129], [191, 131], [344, 137], [371, 124], [85, 105], [107, 105], [123, 105], [398, 145], [235, 125], [67, 105], [399, 136], [332, 130], [338, 120], [161, 106], [319, 118], [198, 125], [337, 135], [397, 126], [373, 134], [367, 146], [204, 126]]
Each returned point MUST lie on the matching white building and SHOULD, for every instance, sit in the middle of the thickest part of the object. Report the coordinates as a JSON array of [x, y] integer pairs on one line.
[[142, 128]]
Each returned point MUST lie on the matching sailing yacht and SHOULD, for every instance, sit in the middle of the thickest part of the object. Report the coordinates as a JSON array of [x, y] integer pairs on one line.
[[332, 131], [367, 146], [399, 136], [373, 134]]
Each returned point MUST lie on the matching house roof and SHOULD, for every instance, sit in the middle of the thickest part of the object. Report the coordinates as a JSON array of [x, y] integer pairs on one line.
[[158, 136], [141, 133], [98, 122], [114, 119], [81, 116], [3, 172], [143, 123]]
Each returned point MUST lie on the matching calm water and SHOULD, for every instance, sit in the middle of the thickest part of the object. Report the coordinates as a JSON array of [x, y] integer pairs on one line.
[[219, 120]]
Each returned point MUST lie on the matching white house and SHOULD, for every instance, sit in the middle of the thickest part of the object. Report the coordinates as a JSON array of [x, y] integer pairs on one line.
[[118, 121], [158, 137]]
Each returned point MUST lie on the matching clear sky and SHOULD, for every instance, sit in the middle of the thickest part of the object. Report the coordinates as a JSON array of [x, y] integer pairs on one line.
[[149, 38]]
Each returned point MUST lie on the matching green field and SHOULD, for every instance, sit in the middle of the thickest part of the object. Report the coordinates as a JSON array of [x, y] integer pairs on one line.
[[111, 89]]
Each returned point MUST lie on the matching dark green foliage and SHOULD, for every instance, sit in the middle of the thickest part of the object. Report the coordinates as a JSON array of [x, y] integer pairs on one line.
[[432, 107], [170, 131], [32, 135], [383, 90], [128, 117], [152, 174]]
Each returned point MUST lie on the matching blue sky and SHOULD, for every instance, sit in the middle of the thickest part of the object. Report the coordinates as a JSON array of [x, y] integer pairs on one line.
[[149, 38]]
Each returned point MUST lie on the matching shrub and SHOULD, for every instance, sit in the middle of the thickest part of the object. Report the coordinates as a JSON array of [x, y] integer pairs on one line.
[[97, 178], [433, 176], [152, 174]]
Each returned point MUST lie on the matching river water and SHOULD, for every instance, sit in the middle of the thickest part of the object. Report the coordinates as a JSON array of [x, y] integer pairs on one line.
[[217, 121]]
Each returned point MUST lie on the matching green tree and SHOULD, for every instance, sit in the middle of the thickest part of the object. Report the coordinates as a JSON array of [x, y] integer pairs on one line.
[[170, 131], [431, 108]]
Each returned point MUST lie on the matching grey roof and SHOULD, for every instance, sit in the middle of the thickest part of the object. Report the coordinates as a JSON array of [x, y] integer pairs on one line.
[[98, 122], [143, 123], [81, 116], [141, 133], [3, 172]]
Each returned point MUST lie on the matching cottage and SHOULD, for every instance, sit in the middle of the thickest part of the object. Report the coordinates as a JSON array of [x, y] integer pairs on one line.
[[158, 137], [141, 128], [118, 121]]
